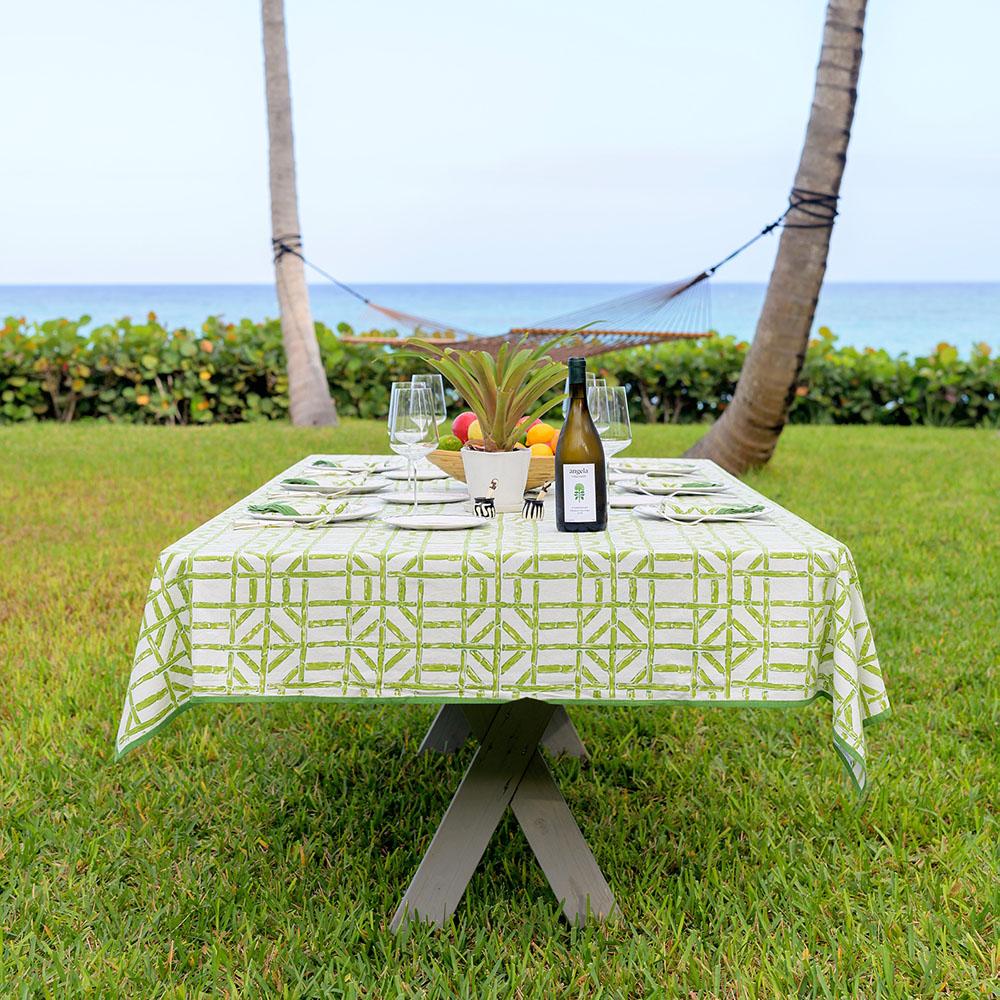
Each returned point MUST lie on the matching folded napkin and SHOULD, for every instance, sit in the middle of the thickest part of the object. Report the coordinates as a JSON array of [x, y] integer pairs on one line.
[[690, 484], [671, 468], [333, 479], [273, 508], [316, 509], [349, 465], [703, 510]]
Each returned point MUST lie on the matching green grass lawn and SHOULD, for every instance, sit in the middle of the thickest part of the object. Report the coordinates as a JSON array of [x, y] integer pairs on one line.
[[260, 850]]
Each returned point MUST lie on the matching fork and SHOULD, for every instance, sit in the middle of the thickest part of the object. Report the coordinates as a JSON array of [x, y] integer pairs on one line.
[[333, 493], [719, 519], [680, 492], [685, 520], [320, 522]]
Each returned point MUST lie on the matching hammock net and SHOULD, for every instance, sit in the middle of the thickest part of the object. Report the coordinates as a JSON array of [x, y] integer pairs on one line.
[[679, 310]]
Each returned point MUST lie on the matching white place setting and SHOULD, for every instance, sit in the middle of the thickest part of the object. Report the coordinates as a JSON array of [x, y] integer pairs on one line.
[[362, 463], [661, 487], [644, 467], [428, 496], [436, 522], [358, 485], [421, 474], [305, 513], [698, 513]]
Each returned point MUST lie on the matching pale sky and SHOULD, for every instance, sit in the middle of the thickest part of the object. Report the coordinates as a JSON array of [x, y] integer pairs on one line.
[[535, 140]]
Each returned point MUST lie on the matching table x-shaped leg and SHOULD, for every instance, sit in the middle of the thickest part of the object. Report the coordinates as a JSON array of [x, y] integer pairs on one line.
[[506, 770], [450, 729]]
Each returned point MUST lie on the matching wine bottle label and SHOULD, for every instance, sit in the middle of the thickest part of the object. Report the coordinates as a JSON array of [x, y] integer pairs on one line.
[[579, 492]]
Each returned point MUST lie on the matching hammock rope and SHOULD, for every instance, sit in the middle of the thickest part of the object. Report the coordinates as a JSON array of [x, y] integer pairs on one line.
[[678, 310]]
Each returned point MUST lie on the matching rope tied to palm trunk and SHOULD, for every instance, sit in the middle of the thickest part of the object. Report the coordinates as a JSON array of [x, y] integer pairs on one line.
[[819, 207], [291, 243]]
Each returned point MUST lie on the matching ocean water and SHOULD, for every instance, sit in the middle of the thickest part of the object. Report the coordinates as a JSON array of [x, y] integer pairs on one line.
[[909, 318]]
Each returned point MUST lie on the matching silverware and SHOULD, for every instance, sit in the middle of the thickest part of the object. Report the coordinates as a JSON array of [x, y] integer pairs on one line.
[[330, 494], [321, 522]]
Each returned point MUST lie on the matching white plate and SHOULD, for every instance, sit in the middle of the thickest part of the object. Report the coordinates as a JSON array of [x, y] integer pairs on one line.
[[670, 473], [422, 474], [360, 464], [358, 511], [354, 512], [427, 496], [436, 522], [371, 485], [654, 514], [667, 488], [669, 469]]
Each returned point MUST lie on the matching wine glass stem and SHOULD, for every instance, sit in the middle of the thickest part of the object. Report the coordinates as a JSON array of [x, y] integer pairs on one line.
[[412, 471]]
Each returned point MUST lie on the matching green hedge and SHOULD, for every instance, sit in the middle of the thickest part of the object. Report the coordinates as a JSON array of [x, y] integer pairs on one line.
[[144, 373], [690, 381]]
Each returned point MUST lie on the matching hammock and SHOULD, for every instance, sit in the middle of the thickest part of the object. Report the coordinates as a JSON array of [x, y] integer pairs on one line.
[[679, 310], [676, 311]]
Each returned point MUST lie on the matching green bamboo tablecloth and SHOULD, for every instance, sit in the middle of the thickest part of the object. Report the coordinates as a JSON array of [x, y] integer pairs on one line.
[[766, 613]]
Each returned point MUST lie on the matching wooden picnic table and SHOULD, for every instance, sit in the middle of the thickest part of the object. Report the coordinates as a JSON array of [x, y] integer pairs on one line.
[[505, 626]]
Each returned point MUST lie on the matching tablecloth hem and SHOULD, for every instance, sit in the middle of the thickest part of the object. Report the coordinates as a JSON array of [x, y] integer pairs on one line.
[[847, 753]]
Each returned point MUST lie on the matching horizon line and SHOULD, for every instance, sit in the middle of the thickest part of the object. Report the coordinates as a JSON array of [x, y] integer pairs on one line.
[[469, 283]]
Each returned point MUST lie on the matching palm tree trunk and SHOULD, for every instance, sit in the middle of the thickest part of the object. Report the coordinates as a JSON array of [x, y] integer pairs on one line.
[[747, 433], [308, 391]]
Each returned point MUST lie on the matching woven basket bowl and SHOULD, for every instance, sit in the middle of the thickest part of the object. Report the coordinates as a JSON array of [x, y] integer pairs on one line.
[[541, 470]]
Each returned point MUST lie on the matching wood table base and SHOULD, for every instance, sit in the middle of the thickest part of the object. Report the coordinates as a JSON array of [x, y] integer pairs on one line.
[[506, 770], [450, 730]]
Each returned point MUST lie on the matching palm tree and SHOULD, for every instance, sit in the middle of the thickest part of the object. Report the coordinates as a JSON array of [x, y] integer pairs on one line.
[[308, 391], [747, 433]]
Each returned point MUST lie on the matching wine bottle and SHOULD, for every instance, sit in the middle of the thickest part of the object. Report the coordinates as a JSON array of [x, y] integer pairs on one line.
[[581, 480]]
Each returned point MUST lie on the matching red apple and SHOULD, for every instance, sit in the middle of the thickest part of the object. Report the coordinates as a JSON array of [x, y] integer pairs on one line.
[[460, 425]]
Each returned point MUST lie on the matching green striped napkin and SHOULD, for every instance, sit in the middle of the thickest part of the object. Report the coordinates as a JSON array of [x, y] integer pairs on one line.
[[273, 508], [703, 510], [348, 465], [690, 484], [315, 509], [333, 479]]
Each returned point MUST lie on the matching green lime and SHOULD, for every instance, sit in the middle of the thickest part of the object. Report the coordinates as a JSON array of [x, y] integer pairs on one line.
[[450, 443]]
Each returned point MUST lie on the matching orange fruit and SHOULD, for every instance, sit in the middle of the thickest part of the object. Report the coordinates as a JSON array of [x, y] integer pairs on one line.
[[540, 449], [540, 434]]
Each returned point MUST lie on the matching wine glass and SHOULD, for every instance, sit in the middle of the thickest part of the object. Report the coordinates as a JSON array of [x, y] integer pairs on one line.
[[413, 429], [592, 386], [611, 419], [435, 383], [596, 404], [591, 381]]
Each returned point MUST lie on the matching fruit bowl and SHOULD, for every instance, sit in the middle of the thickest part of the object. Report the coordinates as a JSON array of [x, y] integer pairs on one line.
[[541, 470]]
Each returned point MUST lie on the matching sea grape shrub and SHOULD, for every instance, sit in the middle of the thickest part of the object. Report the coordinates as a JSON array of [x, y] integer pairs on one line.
[[692, 382], [142, 372]]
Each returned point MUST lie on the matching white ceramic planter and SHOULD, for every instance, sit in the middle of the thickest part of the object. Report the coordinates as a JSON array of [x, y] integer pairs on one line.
[[508, 470]]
